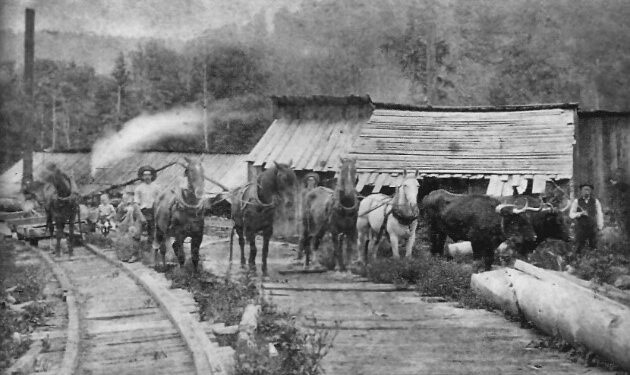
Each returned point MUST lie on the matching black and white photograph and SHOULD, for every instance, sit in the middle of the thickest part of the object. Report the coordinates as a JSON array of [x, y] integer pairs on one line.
[[310, 187]]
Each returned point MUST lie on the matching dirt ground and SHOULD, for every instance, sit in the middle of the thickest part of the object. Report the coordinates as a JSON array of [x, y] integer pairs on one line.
[[393, 332]]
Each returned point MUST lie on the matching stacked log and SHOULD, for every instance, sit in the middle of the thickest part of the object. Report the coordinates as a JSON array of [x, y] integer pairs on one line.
[[560, 306]]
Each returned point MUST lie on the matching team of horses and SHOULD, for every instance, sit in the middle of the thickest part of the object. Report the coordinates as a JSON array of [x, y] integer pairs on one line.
[[179, 213], [356, 226]]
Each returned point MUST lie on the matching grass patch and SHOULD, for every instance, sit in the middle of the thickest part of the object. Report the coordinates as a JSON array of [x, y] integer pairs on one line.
[[297, 352], [97, 239], [26, 283]]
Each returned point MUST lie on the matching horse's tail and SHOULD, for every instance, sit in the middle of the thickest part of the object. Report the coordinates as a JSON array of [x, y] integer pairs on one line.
[[231, 242]]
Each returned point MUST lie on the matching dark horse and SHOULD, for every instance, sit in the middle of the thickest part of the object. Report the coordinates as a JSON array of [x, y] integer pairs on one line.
[[331, 211], [59, 201], [253, 208], [180, 213]]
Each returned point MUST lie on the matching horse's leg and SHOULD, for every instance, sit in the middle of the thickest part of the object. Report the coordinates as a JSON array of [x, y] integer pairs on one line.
[[158, 245], [241, 243], [265, 250], [195, 244], [351, 246], [70, 237], [307, 238], [178, 247], [251, 238], [58, 236], [411, 240], [339, 252], [335, 241]]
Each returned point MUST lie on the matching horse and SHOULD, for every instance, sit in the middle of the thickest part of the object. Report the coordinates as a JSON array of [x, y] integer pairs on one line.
[[253, 209], [61, 204], [331, 211], [397, 217], [180, 213]]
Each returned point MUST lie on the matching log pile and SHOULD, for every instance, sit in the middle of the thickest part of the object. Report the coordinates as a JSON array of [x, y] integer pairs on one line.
[[560, 305]]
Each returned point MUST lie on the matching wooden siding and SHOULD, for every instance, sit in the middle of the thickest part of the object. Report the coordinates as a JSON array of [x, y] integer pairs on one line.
[[603, 145], [466, 144]]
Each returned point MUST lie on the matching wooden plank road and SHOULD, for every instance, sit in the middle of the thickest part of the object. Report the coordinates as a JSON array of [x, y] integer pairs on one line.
[[384, 331]]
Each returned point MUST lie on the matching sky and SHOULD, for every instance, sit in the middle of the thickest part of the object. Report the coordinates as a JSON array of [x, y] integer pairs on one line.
[[179, 19]]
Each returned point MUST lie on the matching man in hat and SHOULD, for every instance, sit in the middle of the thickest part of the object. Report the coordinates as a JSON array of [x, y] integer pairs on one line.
[[145, 195], [587, 211]]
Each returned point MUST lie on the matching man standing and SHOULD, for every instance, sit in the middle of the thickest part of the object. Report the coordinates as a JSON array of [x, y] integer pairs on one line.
[[587, 211], [145, 195]]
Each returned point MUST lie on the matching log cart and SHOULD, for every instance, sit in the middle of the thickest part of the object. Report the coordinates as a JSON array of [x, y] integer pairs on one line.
[[31, 227]]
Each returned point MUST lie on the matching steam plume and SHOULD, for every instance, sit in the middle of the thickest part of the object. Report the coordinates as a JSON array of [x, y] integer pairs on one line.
[[142, 131]]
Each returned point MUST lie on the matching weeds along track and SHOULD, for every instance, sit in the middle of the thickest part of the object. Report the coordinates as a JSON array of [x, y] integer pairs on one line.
[[127, 323]]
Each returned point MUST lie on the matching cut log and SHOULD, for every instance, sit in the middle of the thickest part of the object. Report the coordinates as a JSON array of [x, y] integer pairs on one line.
[[603, 290], [496, 287], [558, 306]]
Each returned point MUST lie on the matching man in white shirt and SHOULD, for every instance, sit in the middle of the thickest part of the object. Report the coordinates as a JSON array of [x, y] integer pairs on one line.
[[587, 211], [145, 195]]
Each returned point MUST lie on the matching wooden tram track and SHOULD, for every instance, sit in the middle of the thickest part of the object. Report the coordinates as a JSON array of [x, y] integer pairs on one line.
[[121, 320]]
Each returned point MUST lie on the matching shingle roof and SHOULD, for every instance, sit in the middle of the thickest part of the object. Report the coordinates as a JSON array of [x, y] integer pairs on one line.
[[465, 143], [312, 145], [228, 169]]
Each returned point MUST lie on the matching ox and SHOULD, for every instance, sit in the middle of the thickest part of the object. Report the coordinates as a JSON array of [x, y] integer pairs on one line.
[[480, 219], [548, 223]]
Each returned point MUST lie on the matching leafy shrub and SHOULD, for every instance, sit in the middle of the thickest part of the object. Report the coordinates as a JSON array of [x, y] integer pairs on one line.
[[220, 299], [28, 281], [300, 352]]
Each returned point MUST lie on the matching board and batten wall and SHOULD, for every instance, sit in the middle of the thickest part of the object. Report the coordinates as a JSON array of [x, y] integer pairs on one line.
[[602, 145]]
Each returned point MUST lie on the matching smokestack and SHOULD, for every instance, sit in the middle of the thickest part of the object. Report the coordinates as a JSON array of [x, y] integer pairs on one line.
[[29, 62], [29, 51]]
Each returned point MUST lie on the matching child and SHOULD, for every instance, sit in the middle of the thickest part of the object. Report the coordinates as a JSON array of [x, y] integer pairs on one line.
[[106, 212]]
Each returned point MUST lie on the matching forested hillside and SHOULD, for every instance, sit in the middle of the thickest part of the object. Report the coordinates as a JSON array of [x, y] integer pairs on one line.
[[455, 52]]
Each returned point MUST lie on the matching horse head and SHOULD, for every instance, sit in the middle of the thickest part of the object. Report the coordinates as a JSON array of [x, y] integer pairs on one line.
[[346, 182], [195, 175], [285, 179], [407, 195], [59, 180]]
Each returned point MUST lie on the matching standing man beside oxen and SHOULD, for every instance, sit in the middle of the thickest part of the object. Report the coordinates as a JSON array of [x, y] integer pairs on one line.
[[587, 211]]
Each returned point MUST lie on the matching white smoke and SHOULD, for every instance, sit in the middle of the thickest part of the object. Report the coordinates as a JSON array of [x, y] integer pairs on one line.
[[142, 131]]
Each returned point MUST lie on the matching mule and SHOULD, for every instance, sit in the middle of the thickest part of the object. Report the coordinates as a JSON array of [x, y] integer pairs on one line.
[[395, 217], [180, 213], [331, 211], [61, 204], [253, 210]]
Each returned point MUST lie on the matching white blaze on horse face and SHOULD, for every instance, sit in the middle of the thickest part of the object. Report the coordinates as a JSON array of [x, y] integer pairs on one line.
[[410, 188]]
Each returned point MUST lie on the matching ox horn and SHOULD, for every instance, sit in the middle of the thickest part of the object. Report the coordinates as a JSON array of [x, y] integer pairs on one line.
[[502, 206]]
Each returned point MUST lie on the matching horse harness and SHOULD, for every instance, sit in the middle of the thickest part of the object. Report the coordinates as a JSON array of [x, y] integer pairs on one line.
[[406, 220]]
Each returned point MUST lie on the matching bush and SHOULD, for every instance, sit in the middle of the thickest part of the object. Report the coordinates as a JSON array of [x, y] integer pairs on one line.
[[299, 352], [28, 282]]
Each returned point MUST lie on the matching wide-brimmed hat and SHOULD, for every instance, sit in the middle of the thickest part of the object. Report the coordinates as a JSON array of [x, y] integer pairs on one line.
[[587, 184], [147, 168], [312, 175]]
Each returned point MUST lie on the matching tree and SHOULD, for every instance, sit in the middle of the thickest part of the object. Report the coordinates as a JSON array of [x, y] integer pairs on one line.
[[121, 77]]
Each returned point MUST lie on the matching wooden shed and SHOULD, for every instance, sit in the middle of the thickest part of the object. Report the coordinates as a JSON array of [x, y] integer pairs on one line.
[[603, 145], [488, 150], [312, 133]]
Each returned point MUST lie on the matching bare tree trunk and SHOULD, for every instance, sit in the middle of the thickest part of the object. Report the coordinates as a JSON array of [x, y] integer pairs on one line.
[[54, 122], [430, 73], [205, 105], [67, 130], [41, 127]]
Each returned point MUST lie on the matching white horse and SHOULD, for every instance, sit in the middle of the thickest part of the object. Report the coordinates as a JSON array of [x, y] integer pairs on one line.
[[397, 216]]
